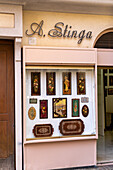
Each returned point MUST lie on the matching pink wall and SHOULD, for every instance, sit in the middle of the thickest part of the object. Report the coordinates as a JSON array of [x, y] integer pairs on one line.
[[105, 57], [55, 155], [59, 55]]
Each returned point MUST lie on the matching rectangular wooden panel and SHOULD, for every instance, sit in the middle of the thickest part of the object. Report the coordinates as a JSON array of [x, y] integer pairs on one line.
[[50, 83], [35, 83], [66, 76], [3, 139], [3, 82]]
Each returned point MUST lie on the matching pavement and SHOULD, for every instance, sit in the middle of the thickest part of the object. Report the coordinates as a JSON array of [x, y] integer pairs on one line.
[[107, 167], [102, 167]]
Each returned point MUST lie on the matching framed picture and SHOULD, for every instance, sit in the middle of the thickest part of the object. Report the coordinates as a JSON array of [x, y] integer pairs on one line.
[[43, 109], [110, 91], [81, 84], [59, 107], [35, 83], [110, 80], [66, 83], [32, 101], [75, 107], [50, 83]]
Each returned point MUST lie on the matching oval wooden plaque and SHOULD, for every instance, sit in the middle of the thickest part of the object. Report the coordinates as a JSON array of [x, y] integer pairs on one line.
[[32, 113], [43, 130], [71, 127], [85, 110]]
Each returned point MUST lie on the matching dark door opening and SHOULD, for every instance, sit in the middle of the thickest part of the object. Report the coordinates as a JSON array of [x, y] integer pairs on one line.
[[105, 104], [105, 115], [6, 104]]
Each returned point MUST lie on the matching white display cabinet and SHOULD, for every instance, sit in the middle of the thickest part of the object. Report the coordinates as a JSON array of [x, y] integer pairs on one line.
[[68, 123]]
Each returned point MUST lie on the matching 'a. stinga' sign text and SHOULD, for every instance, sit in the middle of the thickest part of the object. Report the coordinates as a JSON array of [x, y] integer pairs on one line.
[[60, 30]]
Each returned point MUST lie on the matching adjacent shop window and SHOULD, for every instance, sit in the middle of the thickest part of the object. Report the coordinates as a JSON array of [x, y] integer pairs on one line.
[[60, 102]]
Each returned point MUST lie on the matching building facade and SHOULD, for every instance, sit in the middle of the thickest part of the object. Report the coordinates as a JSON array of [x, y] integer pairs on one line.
[[51, 59]]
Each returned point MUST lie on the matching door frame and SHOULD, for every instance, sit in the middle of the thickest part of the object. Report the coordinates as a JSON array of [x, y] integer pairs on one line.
[[18, 104]]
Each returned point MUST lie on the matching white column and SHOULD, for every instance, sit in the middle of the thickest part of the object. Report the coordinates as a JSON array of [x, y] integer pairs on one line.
[[18, 104]]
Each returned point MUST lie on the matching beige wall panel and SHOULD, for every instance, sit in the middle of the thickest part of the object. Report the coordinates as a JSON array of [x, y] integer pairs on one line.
[[9, 27], [79, 22], [7, 21]]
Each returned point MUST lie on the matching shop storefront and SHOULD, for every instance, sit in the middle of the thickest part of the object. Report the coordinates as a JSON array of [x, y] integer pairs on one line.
[[56, 64], [60, 107], [60, 88]]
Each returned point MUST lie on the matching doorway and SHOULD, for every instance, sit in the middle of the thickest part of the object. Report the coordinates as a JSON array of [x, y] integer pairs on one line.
[[6, 104], [104, 45], [105, 115]]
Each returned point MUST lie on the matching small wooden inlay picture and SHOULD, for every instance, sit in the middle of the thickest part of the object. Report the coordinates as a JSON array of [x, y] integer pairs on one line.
[[35, 83], [32, 113], [43, 109], [81, 86], [85, 110], [43, 130], [66, 83], [71, 127], [59, 107], [50, 83], [75, 107]]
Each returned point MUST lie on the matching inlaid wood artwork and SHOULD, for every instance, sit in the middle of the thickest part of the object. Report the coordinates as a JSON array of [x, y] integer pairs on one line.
[[35, 83], [43, 130], [32, 113], [66, 83], [84, 99], [85, 110], [59, 107], [71, 127], [50, 83], [81, 83], [75, 107], [43, 109]]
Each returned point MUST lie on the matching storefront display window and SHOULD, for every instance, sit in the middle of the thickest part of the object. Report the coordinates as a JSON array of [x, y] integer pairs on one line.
[[60, 102]]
